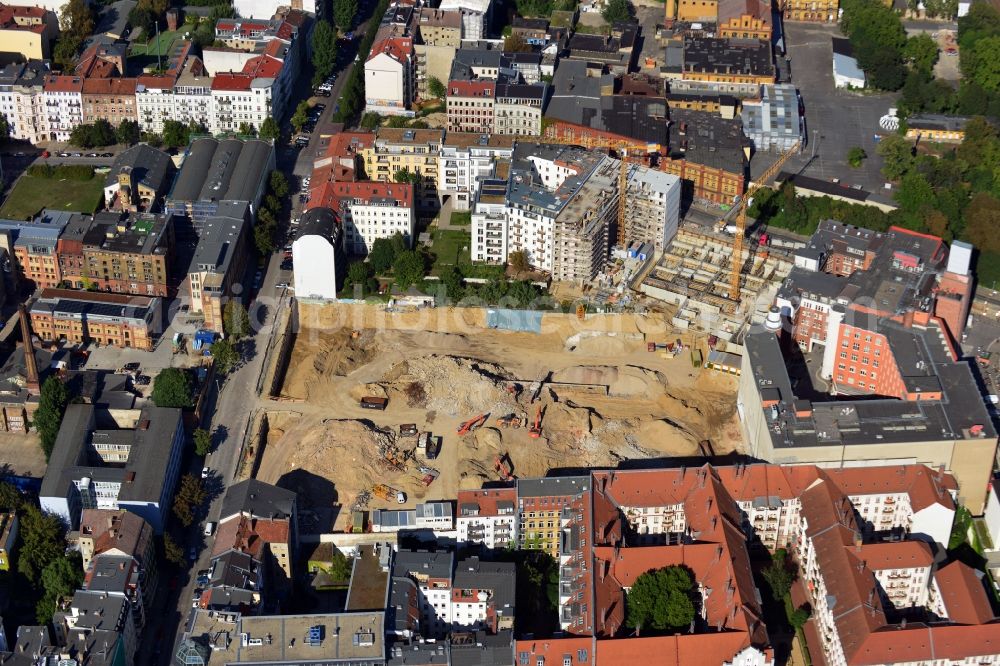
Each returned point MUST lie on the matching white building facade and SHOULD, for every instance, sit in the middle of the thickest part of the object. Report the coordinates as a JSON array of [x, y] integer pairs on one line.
[[314, 255]]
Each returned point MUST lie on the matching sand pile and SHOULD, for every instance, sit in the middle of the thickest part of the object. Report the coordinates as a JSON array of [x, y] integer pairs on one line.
[[452, 385], [621, 381]]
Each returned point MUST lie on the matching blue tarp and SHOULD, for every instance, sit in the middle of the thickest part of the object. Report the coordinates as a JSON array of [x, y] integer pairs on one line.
[[528, 321]]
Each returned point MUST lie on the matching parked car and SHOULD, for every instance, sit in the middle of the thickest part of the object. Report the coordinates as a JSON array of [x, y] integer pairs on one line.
[[205, 472], [209, 528], [63, 154], [287, 265], [131, 367], [142, 380], [192, 553], [107, 154], [92, 155]]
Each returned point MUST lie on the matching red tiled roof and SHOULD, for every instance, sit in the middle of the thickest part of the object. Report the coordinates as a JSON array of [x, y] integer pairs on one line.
[[285, 31], [97, 68], [963, 595], [895, 555], [276, 49], [263, 67], [553, 650], [249, 535], [487, 499], [924, 485], [156, 81], [397, 48], [63, 83], [678, 650], [332, 194], [471, 88], [109, 86], [231, 81]]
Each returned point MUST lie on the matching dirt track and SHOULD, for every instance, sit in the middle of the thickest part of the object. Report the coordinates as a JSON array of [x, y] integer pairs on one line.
[[605, 399]]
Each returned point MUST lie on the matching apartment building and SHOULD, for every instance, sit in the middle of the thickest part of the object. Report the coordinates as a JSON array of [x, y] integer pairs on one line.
[[488, 517], [259, 520], [33, 245], [476, 15], [691, 11], [21, 99], [652, 206], [27, 31], [517, 109], [466, 160], [219, 262], [132, 467], [367, 211], [62, 96], [709, 151], [192, 94], [112, 99], [119, 533], [101, 620], [470, 106], [389, 74], [117, 320], [414, 150], [114, 252], [540, 507]]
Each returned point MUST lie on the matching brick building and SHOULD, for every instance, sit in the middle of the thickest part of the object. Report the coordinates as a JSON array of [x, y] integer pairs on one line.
[[116, 320]]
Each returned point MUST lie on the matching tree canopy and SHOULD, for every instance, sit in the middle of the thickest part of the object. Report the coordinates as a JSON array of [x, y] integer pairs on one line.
[[189, 498], [344, 12], [60, 578], [269, 129], [661, 600], [409, 268], [173, 387], [128, 133], [383, 252], [616, 11], [42, 541], [324, 58], [235, 320], [435, 88], [48, 417], [202, 441]]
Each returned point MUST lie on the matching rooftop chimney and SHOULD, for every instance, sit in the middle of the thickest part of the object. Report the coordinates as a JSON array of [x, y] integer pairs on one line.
[[31, 369]]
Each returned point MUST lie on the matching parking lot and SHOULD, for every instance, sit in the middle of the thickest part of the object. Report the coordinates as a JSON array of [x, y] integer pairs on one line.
[[836, 120]]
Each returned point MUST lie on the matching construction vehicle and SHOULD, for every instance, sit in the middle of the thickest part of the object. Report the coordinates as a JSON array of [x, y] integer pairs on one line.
[[510, 421], [472, 424], [433, 449], [422, 440], [408, 430], [504, 467], [388, 493], [654, 346], [739, 229], [536, 428]]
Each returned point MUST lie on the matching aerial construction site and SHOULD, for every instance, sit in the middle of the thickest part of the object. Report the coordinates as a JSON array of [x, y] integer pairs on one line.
[[428, 412]]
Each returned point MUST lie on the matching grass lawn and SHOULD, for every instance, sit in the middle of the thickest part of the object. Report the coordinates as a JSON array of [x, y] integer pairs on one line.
[[31, 194], [462, 218], [450, 248], [156, 46]]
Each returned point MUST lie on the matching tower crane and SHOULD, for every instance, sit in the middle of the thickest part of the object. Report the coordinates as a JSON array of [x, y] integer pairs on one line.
[[740, 211], [625, 149]]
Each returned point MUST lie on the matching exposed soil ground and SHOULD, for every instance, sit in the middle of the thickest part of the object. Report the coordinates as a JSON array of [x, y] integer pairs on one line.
[[604, 400]]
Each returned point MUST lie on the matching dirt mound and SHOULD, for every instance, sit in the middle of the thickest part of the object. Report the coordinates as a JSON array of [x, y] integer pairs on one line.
[[621, 381], [322, 355], [668, 436], [453, 385]]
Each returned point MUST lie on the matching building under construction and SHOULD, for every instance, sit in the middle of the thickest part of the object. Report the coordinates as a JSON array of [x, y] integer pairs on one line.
[[693, 275]]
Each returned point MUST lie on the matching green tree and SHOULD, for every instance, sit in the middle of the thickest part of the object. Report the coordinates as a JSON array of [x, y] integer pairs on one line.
[[516, 44], [982, 219], [173, 388], [172, 552], [324, 59], [225, 355], [981, 63], [189, 498], [779, 575], [921, 51], [42, 541], [278, 183], [409, 268], [518, 260], [340, 566], [452, 279], [60, 578], [127, 133], [300, 117], [81, 136], [52, 403], [855, 156], [76, 18], [359, 273], [406, 176], [897, 156], [344, 12], [263, 237], [371, 121], [798, 617], [616, 11], [10, 497], [247, 129], [661, 600], [235, 320], [382, 255], [175, 134], [103, 133], [202, 441], [269, 129], [435, 88], [4, 127]]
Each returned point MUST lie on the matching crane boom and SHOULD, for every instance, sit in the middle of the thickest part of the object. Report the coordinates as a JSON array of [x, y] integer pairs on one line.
[[741, 219]]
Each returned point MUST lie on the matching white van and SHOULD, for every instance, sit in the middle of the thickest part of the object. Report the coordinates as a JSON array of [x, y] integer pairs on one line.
[[209, 528]]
